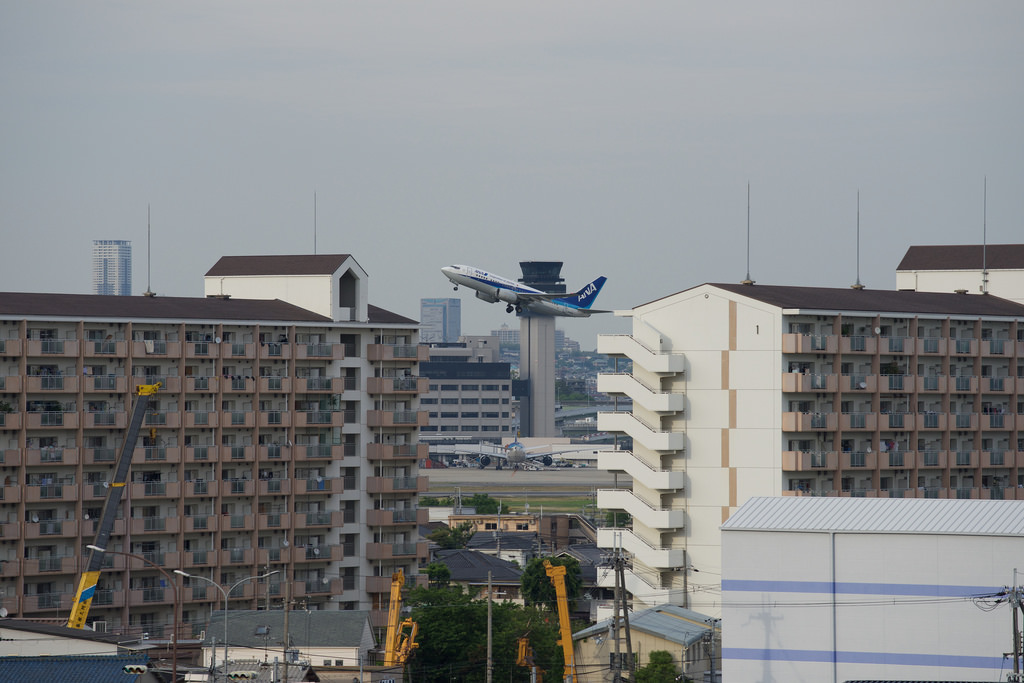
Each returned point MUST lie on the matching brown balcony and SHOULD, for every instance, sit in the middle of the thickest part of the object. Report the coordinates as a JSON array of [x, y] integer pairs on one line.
[[935, 346], [809, 343], [809, 422], [10, 530], [51, 528], [404, 517], [856, 460], [51, 492], [106, 419], [414, 353], [238, 384], [796, 382], [237, 487], [155, 489], [51, 565], [202, 384], [859, 383], [10, 347], [203, 488], [318, 351], [275, 385], [202, 349], [276, 520], [51, 419], [153, 525], [806, 461], [397, 484], [10, 420], [383, 451], [275, 350], [997, 458], [91, 526], [51, 456], [202, 523], [998, 385], [388, 551], [10, 494], [48, 602], [105, 348], [858, 422], [51, 384], [858, 344], [237, 418], [230, 556], [320, 418], [202, 418], [238, 350], [10, 457], [106, 384], [275, 487], [10, 384], [62, 348], [397, 418], [397, 385], [315, 384], [275, 418], [236, 522], [156, 348], [311, 520], [996, 421], [320, 451]]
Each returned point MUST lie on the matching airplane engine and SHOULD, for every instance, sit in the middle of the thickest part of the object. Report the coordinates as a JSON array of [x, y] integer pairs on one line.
[[546, 460], [489, 297], [484, 461]]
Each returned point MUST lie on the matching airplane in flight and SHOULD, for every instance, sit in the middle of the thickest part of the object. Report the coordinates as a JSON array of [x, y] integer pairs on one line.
[[519, 297]]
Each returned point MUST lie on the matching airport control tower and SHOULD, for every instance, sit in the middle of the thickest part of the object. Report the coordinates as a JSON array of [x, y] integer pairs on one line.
[[537, 352]]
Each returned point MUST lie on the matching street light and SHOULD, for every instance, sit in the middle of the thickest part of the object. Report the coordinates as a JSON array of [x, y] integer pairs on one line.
[[225, 593], [174, 587]]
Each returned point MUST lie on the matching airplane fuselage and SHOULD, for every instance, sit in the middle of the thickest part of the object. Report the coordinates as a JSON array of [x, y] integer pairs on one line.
[[493, 288]]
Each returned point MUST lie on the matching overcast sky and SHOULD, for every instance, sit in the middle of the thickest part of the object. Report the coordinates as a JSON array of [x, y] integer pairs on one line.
[[616, 137]]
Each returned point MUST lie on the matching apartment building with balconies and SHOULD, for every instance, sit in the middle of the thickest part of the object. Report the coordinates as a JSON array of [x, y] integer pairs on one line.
[[282, 440], [752, 390]]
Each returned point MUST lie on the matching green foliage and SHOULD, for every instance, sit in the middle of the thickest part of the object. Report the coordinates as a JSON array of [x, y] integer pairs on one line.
[[449, 538], [484, 504], [617, 519], [431, 501], [453, 638], [439, 574], [536, 585], [660, 669]]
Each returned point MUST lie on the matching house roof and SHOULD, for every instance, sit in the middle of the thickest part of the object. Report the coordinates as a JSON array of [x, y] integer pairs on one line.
[[471, 566], [880, 515], [315, 628], [510, 540], [78, 306], [78, 668], [963, 257], [62, 631], [876, 300], [270, 673], [674, 624], [295, 264]]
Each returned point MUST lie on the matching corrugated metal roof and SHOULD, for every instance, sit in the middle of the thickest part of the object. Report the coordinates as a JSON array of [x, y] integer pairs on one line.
[[675, 624], [881, 515], [77, 668], [317, 628]]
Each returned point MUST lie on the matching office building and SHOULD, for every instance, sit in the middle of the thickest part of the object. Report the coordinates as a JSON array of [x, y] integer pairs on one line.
[[284, 439], [112, 267], [469, 395], [440, 320], [751, 390]]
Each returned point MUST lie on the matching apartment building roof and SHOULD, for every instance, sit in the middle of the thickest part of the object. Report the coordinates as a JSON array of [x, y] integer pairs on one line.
[[880, 515], [880, 300], [78, 306], [297, 264], [964, 257]]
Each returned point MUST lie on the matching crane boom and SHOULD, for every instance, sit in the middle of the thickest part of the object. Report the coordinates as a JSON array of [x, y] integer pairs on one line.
[[391, 637], [556, 573], [91, 574]]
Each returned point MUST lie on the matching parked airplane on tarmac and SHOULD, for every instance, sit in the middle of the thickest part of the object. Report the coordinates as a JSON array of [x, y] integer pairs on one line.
[[516, 454], [492, 288]]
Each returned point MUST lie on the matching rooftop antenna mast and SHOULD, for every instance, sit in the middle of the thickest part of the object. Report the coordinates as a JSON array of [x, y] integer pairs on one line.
[[314, 221], [858, 285], [984, 238], [748, 281], [149, 291]]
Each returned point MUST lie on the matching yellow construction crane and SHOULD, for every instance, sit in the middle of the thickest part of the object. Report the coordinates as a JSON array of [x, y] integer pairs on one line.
[[525, 658], [400, 638], [91, 575], [557, 575]]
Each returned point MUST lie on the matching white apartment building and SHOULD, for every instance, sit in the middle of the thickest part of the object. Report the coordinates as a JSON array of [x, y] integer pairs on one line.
[[753, 390], [284, 439], [976, 268]]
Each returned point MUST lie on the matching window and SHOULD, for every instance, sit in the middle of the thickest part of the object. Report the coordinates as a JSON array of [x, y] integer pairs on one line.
[[471, 387], [470, 401]]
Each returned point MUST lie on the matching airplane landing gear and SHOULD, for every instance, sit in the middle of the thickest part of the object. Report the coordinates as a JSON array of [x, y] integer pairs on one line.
[[519, 309], [508, 309], [455, 288]]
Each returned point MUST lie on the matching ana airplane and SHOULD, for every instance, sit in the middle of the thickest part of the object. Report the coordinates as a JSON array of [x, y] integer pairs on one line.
[[516, 455], [493, 288]]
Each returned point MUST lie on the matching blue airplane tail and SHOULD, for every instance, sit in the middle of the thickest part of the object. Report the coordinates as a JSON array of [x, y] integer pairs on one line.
[[586, 297]]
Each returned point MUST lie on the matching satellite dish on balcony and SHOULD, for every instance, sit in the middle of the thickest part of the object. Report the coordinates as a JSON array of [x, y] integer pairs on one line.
[[325, 581], [85, 515], [35, 518], [863, 385], [216, 339], [878, 330], [285, 543], [3, 612], [316, 551]]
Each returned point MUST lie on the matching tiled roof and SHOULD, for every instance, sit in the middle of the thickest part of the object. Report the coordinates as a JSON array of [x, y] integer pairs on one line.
[[510, 540], [62, 631], [316, 628], [963, 257], [80, 306], [80, 669], [298, 264], [472, 566], [876, 300], [881, 515], [380, 316]]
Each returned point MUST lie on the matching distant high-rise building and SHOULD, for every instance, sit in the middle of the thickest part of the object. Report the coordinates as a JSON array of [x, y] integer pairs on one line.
[[506, 335], [112, 267], [440, 320]]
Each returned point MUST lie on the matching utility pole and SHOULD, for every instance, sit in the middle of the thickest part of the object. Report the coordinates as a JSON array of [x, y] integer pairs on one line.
[[617, 665], [287, 599], [1015, 603], [490, 661], [709, 644]]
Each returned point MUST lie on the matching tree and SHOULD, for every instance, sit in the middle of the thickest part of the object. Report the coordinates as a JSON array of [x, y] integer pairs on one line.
[[536, 585], [484, 504], [439, 574], [453, 637], [617, 519], [449, 538], [660, 669]]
